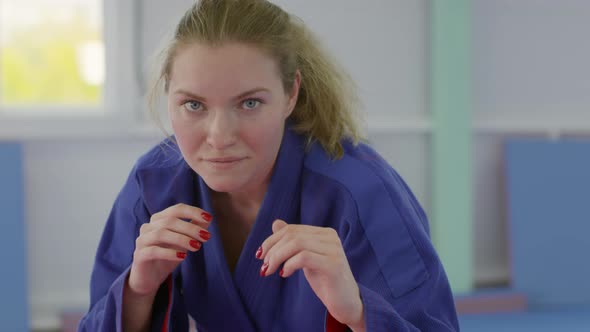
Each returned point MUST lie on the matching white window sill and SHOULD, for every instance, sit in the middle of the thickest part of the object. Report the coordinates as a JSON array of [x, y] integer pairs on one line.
[[72, 128], [515, 123]]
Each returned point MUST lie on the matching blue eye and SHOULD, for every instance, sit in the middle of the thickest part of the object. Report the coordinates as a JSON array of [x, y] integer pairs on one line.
[[192, 106], [251, 104]]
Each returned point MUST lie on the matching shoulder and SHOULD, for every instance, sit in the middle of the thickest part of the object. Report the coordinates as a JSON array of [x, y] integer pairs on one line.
[[160, 176], [367, 178], [157, 164], [384, 217], [360, 160], [165, 154], [161, 164]]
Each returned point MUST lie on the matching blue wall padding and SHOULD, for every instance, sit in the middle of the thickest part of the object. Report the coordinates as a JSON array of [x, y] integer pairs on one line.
[[548, 185], [13, 278]]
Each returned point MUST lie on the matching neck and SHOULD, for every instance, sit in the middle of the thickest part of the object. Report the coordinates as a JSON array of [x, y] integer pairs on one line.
[[241, 200], [241, 206]]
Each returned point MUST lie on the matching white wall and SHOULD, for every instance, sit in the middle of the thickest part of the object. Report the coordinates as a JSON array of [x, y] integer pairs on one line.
[[70, 187], [531, 57]]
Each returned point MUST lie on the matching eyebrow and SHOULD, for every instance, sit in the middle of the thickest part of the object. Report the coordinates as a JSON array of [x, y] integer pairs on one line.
[[240, 96]]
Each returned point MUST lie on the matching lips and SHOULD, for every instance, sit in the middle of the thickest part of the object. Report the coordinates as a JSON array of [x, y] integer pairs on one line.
[[225, 160], [224, 163]]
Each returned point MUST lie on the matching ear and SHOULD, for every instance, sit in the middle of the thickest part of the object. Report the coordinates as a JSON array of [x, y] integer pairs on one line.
[[294, 93]]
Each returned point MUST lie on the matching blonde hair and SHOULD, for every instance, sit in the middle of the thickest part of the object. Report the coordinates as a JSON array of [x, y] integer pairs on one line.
[[327, 109]]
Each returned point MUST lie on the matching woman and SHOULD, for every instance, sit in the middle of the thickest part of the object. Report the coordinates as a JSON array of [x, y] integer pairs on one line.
[[263, 213]]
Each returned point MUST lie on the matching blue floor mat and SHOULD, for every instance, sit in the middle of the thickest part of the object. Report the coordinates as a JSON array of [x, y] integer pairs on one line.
[[541, 321]]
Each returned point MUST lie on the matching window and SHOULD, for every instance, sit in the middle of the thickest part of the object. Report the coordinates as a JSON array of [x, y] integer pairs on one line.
[[52, 56], [69, 69]]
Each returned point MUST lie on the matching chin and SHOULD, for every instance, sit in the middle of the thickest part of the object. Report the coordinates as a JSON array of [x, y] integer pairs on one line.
[[222, 185]]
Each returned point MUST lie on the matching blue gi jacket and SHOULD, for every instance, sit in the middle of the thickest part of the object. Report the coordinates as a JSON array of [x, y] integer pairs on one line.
[[383, 230]]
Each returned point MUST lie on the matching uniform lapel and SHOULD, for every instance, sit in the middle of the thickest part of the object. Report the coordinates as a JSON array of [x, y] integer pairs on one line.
[[219, 283], [261, 294], [207, 286]]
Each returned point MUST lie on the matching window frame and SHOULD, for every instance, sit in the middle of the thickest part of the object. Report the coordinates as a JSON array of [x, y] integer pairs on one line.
[[120, 112]]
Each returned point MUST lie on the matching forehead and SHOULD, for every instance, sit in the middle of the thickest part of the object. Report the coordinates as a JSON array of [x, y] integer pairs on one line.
[[230, 66]]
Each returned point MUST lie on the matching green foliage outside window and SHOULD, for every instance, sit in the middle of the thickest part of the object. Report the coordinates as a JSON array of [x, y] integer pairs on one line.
[[39, 65]]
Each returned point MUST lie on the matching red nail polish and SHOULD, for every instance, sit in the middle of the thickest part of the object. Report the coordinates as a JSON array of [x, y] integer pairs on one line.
[[259, 252], [263, 269], [204, 235], [181, 255], [281, 272], [207, 216], [195, 244]]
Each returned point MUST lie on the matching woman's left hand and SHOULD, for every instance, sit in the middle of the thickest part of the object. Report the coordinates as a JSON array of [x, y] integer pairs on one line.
[[318, 251]]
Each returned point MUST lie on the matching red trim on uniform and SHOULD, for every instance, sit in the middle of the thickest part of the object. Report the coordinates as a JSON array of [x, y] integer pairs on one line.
[[167, 317], [332, 325]]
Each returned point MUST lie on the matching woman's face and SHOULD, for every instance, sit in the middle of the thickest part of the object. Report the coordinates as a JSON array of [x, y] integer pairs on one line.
[[228, 109]]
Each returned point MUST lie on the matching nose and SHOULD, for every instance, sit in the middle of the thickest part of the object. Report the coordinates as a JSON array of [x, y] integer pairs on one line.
[[221, 130]]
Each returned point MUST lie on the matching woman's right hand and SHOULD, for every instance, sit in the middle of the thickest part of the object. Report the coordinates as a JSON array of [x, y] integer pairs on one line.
[[163, 243]]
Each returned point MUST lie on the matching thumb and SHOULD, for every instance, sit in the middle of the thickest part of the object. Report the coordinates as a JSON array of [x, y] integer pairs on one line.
[[277, 225]]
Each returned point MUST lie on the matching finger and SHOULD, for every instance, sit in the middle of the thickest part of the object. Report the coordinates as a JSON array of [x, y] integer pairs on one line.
[[274, 238], [278, 225], [188, 212], [158, 253], [284, 250], [290, 231], [182, 227], [164, 237], [309, 260]]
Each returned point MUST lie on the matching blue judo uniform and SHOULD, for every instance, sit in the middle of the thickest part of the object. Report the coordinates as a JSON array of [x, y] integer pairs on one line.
[[383, 230]]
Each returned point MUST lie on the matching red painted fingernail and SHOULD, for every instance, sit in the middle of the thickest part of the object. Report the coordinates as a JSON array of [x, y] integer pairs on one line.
[[181, 255], [204, 235], [195, 244], [207, 216], [263, 269], [259, 252], [281, 272]]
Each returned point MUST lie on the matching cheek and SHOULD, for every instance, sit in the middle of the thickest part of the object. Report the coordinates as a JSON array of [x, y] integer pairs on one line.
[[266, 139], [186, 135], [174, 118]]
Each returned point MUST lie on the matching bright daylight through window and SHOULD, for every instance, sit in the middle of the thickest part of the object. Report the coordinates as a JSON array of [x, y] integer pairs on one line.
[[51, 56]]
